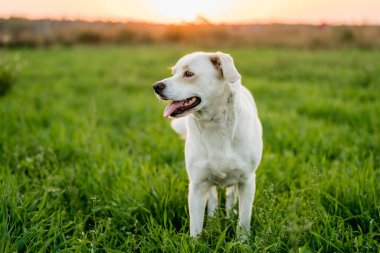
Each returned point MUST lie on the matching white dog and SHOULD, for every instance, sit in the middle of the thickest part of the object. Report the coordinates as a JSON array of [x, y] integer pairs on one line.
[[219, 120]]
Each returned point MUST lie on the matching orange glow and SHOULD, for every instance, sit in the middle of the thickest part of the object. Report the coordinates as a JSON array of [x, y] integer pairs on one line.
[[176, 11], [189, 10]]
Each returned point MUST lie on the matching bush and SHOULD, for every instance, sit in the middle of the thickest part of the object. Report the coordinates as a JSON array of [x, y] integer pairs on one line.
[[346, 35], [9, 68], [125, 36], [90, 37]]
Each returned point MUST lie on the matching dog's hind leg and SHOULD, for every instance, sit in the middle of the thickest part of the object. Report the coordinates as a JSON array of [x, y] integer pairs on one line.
[[212, 201], [246, 192], [231, 200]]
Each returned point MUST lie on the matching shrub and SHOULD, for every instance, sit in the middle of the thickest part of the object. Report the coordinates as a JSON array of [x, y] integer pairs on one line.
[[346, 35], [125, 36], [89, 37], [9, 68]]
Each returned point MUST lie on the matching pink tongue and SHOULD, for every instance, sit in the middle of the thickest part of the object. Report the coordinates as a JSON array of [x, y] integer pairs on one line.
[[172, 107]]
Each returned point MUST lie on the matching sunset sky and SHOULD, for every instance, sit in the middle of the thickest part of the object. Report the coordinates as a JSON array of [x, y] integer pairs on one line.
[[174, 11]]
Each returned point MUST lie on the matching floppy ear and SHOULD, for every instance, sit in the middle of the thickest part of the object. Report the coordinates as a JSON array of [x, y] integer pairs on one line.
[[225, 64]]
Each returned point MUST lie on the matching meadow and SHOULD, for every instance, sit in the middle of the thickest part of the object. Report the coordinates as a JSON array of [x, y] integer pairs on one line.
[[88, 163]]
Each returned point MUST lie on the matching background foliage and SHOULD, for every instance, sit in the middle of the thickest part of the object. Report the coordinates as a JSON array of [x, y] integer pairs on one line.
[[16, 32]]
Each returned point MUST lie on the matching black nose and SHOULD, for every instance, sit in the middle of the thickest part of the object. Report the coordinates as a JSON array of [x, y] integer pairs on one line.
[[158, 87]]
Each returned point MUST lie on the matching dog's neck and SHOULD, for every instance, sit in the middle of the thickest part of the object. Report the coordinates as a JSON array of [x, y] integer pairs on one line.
[[221, 112]]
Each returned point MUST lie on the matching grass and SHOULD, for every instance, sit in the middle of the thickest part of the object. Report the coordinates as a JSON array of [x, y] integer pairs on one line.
[[88, 164]]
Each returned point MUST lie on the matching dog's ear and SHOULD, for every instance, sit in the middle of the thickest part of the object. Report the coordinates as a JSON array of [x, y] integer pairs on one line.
[[225, 64]]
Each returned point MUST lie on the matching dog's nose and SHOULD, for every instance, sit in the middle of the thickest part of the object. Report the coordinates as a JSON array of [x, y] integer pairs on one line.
[[159, 87]]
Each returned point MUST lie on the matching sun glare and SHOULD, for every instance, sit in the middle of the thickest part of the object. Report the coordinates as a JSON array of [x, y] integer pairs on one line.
[[180, 10], [216, 11]]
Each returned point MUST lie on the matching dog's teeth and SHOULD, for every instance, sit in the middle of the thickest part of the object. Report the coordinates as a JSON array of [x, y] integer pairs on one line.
[[189, 101]]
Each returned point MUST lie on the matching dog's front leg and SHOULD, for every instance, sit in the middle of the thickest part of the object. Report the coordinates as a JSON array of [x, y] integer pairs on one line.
[[246, 192], [197, 204]]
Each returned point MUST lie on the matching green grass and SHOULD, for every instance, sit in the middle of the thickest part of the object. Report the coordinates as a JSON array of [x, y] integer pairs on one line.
[[88, 163]]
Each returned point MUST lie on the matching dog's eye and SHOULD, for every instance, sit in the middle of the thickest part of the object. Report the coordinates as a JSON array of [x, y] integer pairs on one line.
[[188, 74]]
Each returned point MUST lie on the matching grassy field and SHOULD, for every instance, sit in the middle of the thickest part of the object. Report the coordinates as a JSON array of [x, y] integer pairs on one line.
[[88, 163]]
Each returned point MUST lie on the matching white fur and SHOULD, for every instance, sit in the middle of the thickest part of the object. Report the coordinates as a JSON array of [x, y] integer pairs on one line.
[[223, 135]]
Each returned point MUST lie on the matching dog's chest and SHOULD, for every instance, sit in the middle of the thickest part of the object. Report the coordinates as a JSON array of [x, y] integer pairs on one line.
[[225, 166], [222, 160]]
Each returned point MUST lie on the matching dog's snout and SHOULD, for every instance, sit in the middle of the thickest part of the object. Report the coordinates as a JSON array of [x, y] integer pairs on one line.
[[159, 87]]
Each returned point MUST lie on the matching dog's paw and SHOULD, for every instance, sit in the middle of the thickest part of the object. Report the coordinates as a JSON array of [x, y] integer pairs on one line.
[[231, 213], [242, 234], [243, 238]]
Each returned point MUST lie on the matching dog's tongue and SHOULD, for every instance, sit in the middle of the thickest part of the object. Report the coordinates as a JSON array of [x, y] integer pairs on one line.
[[172, 107]]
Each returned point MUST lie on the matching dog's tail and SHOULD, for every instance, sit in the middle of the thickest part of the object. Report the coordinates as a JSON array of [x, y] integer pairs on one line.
[[179, 126]]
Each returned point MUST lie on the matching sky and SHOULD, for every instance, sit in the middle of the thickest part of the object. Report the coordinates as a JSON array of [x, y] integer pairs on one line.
[[217, 11]]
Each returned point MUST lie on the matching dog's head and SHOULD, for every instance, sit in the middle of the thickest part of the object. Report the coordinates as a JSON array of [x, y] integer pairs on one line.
[[198, 79]]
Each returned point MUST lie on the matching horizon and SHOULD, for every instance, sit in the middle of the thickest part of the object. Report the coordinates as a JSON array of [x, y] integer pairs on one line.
[[184, 22], [222, 12]]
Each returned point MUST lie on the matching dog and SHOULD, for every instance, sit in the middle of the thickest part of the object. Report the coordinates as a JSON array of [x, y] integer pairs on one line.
[[218, 118]]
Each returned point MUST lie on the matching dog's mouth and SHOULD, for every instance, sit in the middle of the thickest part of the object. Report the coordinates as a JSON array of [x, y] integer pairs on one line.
[[177, 108]]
